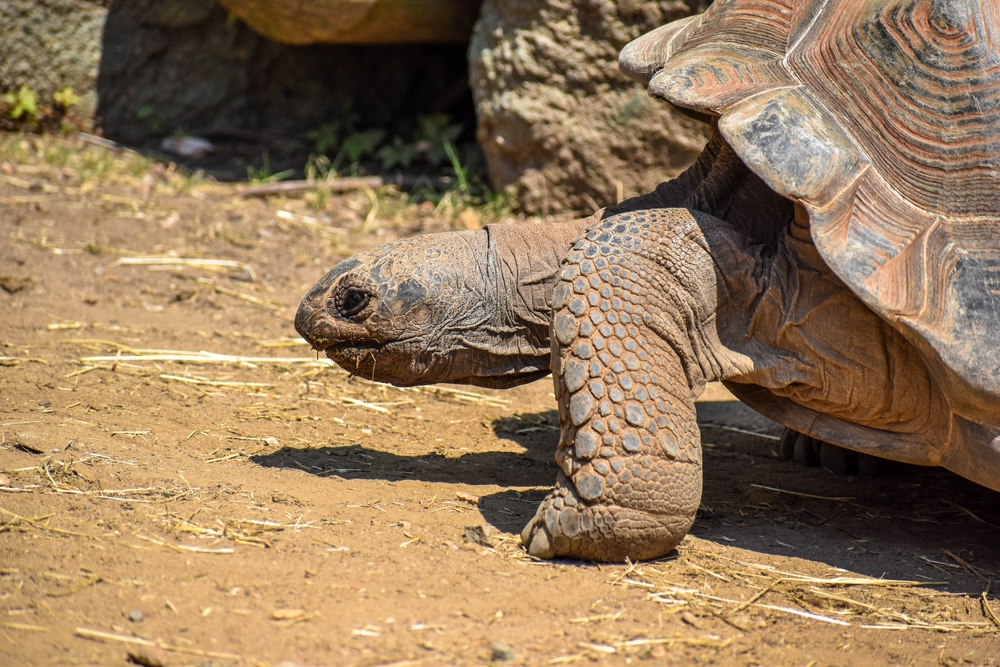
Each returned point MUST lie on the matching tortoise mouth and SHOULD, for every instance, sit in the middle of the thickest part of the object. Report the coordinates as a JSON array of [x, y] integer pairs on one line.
[[373, 360], [352, 349]]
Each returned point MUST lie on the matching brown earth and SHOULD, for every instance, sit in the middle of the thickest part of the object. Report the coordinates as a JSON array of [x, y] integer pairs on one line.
[[269, 509]]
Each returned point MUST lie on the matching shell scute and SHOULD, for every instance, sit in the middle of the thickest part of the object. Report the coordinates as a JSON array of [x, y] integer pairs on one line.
[[795, 146], [917, 83], [643, 57], [709, 80], [882, 118], [760, 24]]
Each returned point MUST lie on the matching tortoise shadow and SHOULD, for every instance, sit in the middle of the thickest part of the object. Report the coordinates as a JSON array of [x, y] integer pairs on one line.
[[354, 462], [919, 524]]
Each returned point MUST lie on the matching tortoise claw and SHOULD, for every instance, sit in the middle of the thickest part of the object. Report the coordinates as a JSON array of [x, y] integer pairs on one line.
[[537, 540]]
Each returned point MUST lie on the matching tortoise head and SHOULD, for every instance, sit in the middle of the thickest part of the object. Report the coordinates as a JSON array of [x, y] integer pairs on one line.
[[429, 309]]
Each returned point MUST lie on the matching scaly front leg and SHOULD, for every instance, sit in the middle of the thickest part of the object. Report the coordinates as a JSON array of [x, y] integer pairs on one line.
[[632, 334]]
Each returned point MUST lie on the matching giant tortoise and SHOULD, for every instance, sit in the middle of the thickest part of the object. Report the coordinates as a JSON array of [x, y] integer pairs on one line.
[[833, 256]]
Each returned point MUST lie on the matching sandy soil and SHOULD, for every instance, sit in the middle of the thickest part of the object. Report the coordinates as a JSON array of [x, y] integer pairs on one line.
[[181, 479]]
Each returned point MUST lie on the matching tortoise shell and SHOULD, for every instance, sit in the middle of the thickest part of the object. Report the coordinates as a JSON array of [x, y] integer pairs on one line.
[[882, 119]]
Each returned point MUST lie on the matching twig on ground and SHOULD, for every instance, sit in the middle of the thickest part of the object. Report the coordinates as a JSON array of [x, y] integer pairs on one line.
[[128, 639], [194, 262], [802, 495]]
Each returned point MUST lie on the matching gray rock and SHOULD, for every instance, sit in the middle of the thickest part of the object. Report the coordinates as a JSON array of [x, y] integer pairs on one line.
[[557, 121], [501, 652]]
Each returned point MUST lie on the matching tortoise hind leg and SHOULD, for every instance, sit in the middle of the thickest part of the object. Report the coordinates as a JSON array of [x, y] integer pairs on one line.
[[809, 451]]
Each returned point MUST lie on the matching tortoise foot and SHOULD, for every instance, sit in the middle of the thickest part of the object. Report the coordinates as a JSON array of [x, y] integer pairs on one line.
[[566, 526], [808, 451]]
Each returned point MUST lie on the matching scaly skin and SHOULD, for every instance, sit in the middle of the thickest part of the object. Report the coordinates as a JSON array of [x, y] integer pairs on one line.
[[629, 446], [646, 304]]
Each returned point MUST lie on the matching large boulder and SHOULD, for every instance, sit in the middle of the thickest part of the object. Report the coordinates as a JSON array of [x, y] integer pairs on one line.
[[557, 121], [47, 46], [358, 21]]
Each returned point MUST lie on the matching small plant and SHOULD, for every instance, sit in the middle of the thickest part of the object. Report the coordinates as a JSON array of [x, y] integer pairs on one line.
[[359, 145], [498, 204], [341, 139], [470, 202], [318, 169], [149, 115], [398, 154], [263, 173], [461, 173], [66, 98], [326, 137], [23, 105], [434, 135]]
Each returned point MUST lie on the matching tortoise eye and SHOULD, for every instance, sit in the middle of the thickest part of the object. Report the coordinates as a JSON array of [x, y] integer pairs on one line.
[[354, 302]]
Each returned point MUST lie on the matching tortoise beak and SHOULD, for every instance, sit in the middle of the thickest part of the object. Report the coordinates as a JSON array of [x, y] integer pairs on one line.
[[324, 328], [310, 322]]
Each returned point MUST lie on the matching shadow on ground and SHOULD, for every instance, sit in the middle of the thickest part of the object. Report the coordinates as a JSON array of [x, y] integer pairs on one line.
[[920, 524]]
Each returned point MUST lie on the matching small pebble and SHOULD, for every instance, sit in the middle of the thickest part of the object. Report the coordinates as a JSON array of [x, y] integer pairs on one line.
[[44, 403], [30, 442], [135, 616], [690, 619], [501, 651], [148, 656], [4, 481]]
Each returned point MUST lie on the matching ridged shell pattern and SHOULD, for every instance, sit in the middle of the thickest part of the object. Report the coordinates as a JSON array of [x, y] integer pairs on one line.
[[882, 118]]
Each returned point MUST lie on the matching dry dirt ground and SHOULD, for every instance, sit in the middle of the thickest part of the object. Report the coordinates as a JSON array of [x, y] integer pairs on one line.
[[181, 479]]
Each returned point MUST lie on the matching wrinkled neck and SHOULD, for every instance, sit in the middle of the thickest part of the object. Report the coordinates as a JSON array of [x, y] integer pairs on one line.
[[524, 262]]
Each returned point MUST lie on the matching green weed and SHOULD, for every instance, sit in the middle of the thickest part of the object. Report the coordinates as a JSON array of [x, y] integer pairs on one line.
[[23, 103], [326, 137], [66, 98], [434, 137], [357, 146], [263, 174], [399, 154]]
